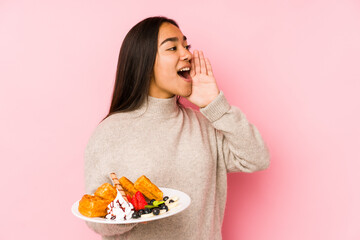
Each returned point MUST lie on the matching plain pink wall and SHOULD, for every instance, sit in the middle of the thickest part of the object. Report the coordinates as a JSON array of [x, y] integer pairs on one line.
[[291, 66]]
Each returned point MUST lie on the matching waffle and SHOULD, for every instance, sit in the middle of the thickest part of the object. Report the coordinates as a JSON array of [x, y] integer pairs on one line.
[[96, 205], [93, 206], [128, 186], [106, 191], [146, 187]]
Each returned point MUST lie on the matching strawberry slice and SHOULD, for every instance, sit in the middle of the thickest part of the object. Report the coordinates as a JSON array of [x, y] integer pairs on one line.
[[128, 198], [135, 203], [140, 200]]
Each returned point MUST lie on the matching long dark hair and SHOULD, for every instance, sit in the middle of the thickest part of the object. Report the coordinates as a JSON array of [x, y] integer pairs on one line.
[[135, 65]]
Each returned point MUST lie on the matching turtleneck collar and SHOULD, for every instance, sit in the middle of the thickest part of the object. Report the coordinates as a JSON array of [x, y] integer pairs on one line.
[[158, 107]]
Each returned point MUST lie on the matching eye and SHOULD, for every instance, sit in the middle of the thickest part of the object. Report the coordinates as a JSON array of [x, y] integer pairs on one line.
[[174, 48]]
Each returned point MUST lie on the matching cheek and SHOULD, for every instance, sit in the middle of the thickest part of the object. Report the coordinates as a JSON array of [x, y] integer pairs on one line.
[[165, 67], [168, 64]]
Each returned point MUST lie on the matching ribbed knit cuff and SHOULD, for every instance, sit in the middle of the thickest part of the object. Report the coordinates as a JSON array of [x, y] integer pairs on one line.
[[217, 108]]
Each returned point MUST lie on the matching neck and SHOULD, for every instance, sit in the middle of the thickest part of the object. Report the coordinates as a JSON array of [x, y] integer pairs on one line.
[[159, 107]]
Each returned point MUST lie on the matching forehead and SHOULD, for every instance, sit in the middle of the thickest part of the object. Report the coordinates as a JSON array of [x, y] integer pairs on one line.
[[167, 30]]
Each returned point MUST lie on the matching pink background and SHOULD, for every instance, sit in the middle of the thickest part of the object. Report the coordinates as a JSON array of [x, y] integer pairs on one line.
[[291, 66]]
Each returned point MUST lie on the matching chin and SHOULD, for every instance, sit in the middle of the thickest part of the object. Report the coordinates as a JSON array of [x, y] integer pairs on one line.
[[185, 92]]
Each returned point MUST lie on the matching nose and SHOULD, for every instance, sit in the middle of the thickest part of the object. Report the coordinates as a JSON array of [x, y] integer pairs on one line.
[[186, 55]]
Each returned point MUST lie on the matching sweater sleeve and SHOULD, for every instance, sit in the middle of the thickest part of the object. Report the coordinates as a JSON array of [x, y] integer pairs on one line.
[[239, 143], [95, 177]]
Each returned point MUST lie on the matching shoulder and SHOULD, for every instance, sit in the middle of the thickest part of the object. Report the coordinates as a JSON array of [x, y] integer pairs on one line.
[[108, 130], [108, 125]]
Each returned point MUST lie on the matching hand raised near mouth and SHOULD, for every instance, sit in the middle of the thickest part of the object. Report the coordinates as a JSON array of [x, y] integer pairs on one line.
[[204, 87]]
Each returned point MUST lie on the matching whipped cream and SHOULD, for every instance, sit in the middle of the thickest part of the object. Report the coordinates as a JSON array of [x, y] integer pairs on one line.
[[119, 209]]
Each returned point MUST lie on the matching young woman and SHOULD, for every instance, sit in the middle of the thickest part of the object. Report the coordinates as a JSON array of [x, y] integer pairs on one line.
[[148, 132]]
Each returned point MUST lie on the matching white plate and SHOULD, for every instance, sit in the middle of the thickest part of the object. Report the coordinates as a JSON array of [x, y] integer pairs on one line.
[[184, 202]]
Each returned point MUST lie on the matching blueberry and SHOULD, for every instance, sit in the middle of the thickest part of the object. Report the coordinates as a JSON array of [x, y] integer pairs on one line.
[[135, 215], [164, 207], [156, 211], [141, 212], [171, 201], [161, 205], [165, 198], [151, 201], [146, 210]]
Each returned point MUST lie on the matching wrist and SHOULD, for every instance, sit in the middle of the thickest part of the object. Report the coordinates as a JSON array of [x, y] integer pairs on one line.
[[217, 108], [211, 98]]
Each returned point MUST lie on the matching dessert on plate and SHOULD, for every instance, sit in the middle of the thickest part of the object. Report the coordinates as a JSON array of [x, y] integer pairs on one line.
[[126, 200]]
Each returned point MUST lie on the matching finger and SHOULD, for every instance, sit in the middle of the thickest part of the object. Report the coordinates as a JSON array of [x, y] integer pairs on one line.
[[197, 62], [208, 67], [202, 63], [192, 70]]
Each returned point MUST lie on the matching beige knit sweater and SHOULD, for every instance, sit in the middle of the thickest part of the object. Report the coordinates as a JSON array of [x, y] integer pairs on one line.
[[176, 148]]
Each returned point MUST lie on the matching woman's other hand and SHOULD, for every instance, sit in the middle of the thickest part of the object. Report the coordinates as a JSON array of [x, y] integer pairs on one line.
[[204, 87]]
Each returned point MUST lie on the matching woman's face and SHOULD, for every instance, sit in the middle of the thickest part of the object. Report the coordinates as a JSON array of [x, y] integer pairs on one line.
[[173, 55]]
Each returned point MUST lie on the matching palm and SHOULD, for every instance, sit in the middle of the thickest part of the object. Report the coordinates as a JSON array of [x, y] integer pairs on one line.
[[204, 87]]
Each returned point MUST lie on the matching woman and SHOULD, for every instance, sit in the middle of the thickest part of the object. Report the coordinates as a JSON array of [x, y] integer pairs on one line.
[[148, 132]]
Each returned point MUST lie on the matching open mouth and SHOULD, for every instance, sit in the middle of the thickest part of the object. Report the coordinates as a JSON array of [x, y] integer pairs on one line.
[[184, 73]]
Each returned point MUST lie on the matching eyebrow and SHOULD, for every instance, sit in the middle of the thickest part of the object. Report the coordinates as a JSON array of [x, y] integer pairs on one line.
[[172, 39]]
